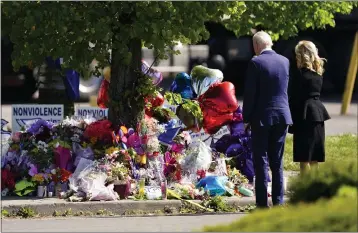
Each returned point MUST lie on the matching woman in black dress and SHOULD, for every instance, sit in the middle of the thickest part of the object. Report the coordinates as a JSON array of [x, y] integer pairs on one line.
[[308, 112]]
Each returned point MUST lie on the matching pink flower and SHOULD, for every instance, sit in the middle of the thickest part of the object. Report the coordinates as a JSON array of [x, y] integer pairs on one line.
[[177, 148], [186, 136], [16, 137]]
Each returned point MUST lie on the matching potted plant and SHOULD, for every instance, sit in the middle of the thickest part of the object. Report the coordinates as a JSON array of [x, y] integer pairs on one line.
[[40, 179], [60, 178], [120, 175]]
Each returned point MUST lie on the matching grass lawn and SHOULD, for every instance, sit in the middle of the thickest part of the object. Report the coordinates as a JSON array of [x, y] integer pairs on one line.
[[338, 148]]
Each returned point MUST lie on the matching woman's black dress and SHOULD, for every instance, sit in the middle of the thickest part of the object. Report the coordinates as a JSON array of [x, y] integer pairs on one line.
[[308, 115]]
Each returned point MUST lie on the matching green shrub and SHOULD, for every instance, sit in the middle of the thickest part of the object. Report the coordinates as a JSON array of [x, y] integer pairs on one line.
[[338, 214], [323, 182]]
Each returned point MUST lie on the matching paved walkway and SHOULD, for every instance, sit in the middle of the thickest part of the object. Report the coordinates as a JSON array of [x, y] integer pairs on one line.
[[125, 224]]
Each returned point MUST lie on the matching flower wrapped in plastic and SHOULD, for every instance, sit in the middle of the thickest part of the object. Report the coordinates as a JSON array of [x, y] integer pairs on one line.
[[91, 181], [198, 159], [80, 152], [156, 164], [172, 168]]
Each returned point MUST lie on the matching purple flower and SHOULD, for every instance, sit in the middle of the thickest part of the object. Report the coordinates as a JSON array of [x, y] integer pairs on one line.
[[33, 169], [38, 126]]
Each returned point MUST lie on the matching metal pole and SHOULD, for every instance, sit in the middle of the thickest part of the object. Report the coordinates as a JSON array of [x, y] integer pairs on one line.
[[351, 76]]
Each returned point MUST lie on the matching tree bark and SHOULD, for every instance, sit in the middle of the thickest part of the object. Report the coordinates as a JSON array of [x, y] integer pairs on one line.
[[123, 109]]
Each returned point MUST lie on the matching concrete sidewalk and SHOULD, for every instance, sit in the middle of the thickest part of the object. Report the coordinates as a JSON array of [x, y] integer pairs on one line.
[[46, 207]]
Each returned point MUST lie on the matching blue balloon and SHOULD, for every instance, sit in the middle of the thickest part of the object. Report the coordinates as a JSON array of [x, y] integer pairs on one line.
[[182, 86]]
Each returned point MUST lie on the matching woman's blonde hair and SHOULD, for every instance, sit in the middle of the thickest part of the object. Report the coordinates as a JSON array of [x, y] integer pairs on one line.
[[307, 57]]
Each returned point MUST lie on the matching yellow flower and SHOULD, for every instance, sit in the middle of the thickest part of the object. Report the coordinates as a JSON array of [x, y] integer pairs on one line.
[[38, 178], [111, 150], [93, 140]]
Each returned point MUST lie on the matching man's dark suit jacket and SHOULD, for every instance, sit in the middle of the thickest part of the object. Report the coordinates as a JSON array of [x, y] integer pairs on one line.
[[265, 97]]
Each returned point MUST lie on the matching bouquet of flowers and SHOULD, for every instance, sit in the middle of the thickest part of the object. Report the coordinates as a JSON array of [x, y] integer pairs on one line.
[[41, 178], [41, 155], [60, 175], [7, 179], [99, 132], [119, 172]]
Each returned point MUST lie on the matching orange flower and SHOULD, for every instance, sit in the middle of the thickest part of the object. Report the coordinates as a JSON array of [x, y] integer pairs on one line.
[[93, 140]]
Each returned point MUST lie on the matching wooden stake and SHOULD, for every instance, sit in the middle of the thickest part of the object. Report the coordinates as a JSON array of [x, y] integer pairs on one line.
[[351, 77]]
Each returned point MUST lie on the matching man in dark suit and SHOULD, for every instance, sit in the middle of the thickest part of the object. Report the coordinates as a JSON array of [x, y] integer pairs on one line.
[[266, 112]]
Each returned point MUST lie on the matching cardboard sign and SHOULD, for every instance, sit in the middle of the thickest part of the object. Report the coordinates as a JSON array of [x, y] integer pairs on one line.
[[207, 138], [98, 113], [26, 114], [5, 134]]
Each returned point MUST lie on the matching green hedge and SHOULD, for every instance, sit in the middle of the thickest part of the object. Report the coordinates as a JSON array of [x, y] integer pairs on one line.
[[338, 214], [323, 182]]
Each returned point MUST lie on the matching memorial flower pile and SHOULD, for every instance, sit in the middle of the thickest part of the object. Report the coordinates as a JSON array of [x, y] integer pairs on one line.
[[96, 160]]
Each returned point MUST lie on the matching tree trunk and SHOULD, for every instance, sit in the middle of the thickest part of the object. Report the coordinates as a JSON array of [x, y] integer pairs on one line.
[[123, 109]]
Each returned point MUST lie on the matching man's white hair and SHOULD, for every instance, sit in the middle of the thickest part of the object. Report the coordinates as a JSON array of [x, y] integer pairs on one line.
[[263, 39]]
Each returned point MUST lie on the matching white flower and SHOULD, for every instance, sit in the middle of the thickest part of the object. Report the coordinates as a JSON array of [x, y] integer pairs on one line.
[[153, 144], [161, 129], [23, 152], [53, 171]]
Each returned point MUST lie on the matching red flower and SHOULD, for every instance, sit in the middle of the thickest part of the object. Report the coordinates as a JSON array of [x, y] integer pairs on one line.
[[101, 130], [62, 175], [7, 180], [201, 173]]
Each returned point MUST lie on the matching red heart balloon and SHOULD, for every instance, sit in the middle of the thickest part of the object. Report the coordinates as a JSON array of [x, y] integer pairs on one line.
[[103, 97], [213, 121], [218, 104]]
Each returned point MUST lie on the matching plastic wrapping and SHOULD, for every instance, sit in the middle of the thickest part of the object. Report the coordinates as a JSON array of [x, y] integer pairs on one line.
[[80, 152], [220, 168], [153, 192], [88, 180], [156, 164], [199, 159], [216, 185]]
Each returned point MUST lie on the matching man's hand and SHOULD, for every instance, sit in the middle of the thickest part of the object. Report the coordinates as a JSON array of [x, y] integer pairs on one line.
[[247, 127]]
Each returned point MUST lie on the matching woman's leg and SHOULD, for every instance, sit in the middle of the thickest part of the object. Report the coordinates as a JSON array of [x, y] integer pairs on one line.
[[314, 164], [304, 166]]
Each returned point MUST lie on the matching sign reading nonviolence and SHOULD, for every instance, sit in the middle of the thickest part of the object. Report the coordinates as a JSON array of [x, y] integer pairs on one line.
[[27, 114], [95, 112]]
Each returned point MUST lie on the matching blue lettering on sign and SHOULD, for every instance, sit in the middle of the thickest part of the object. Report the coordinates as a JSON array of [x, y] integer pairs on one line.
[[92, 112], [37, 111]]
